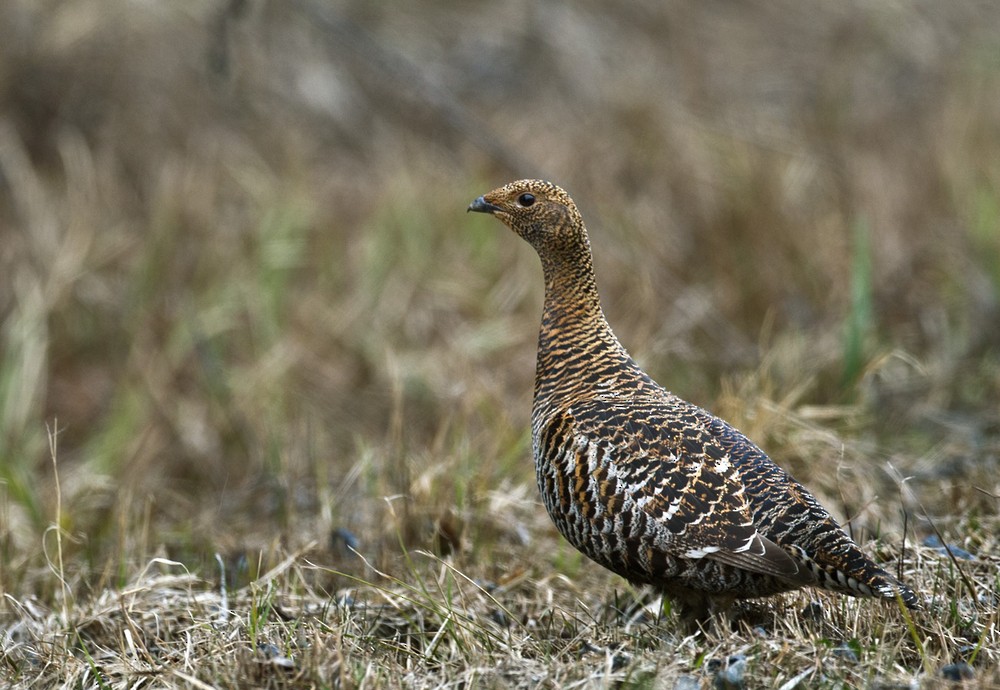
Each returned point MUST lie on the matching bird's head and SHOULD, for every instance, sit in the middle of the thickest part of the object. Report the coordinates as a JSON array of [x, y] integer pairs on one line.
[[540, 212]]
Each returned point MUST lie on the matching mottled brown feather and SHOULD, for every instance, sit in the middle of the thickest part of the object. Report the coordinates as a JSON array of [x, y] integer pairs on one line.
[[642, 482]]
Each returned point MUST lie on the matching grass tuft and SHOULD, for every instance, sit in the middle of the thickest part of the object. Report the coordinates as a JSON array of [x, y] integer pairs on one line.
[[859, 325]]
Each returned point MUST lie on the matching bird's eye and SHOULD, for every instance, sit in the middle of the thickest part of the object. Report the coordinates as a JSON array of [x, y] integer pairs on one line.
[[526, 200]]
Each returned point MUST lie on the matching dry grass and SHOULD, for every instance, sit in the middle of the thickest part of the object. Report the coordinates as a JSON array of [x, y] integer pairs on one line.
[[303, 624], [283, 380]]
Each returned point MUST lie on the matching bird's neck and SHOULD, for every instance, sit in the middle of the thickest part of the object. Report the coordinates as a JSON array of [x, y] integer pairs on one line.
[[578, 353]]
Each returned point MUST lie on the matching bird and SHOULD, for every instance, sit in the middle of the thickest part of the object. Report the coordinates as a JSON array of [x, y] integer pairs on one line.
[[646, 484]]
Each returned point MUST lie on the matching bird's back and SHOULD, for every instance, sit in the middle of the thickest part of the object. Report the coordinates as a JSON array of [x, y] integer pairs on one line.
[[666, 494]]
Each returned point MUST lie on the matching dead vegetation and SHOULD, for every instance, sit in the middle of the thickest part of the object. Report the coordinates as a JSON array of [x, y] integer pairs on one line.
[[283, 381]]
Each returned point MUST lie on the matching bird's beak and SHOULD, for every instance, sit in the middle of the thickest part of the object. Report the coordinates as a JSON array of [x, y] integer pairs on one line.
[[481, 205]]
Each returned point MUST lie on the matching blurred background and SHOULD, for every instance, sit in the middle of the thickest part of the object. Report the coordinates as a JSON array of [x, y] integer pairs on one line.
[[242, 303]]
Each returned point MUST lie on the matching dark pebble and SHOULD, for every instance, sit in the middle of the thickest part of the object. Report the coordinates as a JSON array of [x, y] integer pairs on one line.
[[487, 586], [620, 661], [343, 540], [268, 650], [716, 665], [499, 617], [732, 677], [813, 611], [957, 672], [933, 542], [966, 650]]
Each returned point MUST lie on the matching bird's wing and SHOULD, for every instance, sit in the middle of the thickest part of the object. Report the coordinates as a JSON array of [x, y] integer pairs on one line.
[[669, 466]]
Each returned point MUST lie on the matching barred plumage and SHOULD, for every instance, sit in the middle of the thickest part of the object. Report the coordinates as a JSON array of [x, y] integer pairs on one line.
[[652, 487]]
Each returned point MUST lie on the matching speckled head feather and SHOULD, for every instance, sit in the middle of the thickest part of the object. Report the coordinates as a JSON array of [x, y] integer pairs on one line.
[[646, 484], [540, 212]]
